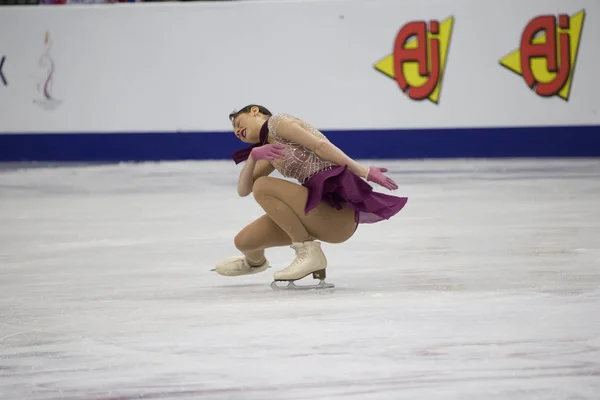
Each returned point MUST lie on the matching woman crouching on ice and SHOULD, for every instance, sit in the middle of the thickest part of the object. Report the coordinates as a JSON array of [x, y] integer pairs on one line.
[[328, 205]]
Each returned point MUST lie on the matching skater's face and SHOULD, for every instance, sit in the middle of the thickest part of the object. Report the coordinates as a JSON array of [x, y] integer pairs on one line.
[[246, 126]]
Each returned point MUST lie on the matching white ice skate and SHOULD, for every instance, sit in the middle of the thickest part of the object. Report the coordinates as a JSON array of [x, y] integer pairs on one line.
[[237, 266], [309, 260]]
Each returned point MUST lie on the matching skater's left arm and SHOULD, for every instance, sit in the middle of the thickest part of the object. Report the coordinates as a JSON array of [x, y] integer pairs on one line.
[[291, 130]]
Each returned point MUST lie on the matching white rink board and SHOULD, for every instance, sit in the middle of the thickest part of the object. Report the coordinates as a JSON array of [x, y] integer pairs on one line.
[[170, 67]]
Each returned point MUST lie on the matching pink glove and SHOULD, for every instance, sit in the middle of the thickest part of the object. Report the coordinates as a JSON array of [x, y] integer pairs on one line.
[[268, 152], [376, 175]]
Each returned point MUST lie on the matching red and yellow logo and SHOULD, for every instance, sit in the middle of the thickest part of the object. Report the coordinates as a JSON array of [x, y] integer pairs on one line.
[[547, 54], [419, 59]]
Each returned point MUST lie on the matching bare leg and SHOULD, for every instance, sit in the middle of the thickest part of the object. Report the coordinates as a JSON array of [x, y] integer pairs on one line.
[[259, 235], [286, 224], [284, 203], [252, 242]]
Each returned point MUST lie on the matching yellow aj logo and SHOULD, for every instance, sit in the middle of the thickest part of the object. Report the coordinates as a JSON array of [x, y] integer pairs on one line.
[[419, 58], [547, 54]]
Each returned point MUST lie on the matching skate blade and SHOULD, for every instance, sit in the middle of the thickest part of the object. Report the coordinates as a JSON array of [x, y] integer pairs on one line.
[[292, 286]]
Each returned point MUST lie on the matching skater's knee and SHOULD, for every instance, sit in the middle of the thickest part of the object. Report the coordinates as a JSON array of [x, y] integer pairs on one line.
[[246, 241], [261, 186], [241, 241]]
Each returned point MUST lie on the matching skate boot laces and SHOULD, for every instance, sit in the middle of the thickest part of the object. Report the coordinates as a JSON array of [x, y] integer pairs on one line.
[[301, 254]]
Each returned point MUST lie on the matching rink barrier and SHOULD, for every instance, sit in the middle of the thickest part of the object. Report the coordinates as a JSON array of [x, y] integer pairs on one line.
[[482, 79], [549, 141]]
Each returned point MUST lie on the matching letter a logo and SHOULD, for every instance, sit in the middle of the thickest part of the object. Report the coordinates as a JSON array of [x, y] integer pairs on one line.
[[419, 59], [547, 55]]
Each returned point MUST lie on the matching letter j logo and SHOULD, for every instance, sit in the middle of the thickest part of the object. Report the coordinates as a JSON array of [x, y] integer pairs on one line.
[[419, 59], [547, 54]]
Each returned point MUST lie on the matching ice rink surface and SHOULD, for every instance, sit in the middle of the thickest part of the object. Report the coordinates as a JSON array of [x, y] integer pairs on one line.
[[486, 286]]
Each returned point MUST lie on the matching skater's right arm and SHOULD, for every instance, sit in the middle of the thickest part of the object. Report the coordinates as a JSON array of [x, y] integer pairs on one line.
[[251, 172]]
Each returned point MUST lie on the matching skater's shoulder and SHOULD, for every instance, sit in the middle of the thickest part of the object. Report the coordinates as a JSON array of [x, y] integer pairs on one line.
[[278, 123], [278, 118], [281, 120], [282, 125]]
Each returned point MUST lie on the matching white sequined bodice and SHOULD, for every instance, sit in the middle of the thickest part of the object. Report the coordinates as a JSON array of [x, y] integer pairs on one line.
[[298, 162]]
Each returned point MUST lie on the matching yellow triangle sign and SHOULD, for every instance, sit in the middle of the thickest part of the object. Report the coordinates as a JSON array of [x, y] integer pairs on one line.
[[539, 66], [411, 69]]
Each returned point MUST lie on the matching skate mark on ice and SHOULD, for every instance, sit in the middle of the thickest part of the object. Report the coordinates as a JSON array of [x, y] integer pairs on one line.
[[243, 286], [423, 380]]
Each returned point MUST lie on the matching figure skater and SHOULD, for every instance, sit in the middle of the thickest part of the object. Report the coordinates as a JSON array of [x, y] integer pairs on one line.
[[333, 196]]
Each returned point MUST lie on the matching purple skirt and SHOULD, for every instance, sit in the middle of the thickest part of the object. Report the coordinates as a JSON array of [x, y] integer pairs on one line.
[[338, 186]]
